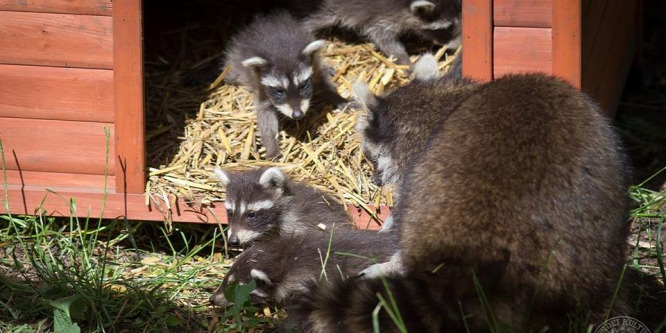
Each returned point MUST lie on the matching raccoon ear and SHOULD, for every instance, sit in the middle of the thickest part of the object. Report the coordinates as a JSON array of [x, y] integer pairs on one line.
[[364, 95], [254, 62], [222, 176], [272, 177], [421, 7], [313, 47], [426, 68]]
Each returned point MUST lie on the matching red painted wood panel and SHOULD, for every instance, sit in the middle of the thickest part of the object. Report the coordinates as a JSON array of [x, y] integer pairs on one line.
[[477, 31], [56, 93], [133, 206], [129, 112], [566, 41], [521, 13], [54, 145], [86, 7], [60, 40], [520, 50], [56, 181]]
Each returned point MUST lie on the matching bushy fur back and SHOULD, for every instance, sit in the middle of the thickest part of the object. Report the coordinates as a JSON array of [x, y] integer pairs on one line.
[[512, 217]]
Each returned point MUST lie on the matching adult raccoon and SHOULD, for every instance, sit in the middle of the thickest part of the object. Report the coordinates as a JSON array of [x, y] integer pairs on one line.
[[511, 218]]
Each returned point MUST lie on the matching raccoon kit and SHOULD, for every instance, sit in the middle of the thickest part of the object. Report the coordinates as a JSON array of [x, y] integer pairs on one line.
[[512, 218], [386, 21], [264, 203], [278, 61], [283, 266], [394, 128]]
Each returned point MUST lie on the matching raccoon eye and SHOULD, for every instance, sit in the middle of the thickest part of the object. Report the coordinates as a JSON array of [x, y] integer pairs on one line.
[[251, 215], [278, 93], [305, 86]]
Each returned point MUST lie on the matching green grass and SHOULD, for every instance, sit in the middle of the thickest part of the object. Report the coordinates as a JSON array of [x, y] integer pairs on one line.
[[61, 275], [648, 218], [81, 275]]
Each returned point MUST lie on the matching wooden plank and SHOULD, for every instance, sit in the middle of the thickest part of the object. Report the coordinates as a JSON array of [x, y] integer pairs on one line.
[[597, 40], [566, 41], [56, 181], [132, 206], [81, 7], [477, 30], [60, 40], [612, 62], [55, 146], [129, 109], [592, 22], [521, 13], [522, 50], [56, 93]]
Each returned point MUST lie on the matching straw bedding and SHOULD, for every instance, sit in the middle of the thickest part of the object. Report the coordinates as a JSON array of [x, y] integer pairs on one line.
[[220, 130]]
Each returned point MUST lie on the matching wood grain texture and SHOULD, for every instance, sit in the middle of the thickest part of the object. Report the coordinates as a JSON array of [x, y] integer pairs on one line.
[[56, 93], [132, 206], [82, 7], [609, 44], [128, 86], [57, 181], [566, 41], [521, 13], [57, 146], [522, 50], [60, 40], [477, 31]]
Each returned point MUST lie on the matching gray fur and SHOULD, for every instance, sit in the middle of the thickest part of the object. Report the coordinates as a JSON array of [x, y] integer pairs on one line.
[[519, 192], [426, 68], [397, 126], [275, 48], [386, 21], [282, 267], [281, 206]]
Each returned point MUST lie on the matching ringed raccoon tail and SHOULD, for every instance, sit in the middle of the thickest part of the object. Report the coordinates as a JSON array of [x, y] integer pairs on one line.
[[451, 300], [423, 303]]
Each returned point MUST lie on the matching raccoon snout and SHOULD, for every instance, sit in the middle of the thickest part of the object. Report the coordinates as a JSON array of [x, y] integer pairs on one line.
[[298, 114], [219, 300], [234, 241]]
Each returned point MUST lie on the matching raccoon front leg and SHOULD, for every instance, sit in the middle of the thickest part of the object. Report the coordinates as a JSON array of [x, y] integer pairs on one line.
[[329, 94], [319, 22], [267, 121], [387, 41]]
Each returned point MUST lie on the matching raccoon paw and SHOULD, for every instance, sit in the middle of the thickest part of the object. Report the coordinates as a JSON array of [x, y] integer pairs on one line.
[[393, 267], [388, 225]]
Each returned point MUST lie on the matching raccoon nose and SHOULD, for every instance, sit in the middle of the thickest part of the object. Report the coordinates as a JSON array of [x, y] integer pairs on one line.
[[297, 114], [219, 300], [234, 241]]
